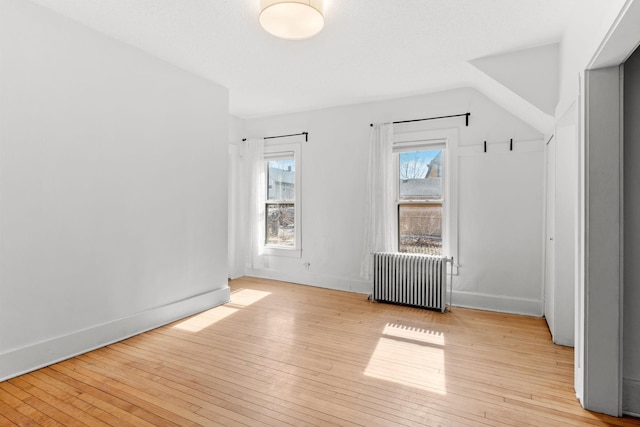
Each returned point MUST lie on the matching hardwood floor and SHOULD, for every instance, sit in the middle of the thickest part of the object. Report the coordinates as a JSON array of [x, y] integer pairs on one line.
[[283, 354]]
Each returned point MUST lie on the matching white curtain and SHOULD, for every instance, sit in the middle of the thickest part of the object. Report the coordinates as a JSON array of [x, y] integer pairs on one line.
[[380, 219], [254, 163]]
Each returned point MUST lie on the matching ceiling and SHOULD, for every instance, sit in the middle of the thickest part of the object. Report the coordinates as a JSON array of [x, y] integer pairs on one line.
[[369, 49]]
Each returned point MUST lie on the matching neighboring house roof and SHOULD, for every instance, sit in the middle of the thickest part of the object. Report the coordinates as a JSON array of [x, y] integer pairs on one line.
[[429, 187]]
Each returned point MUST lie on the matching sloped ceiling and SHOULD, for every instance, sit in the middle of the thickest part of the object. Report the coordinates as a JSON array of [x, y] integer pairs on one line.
[[369, 49], [532, 74]]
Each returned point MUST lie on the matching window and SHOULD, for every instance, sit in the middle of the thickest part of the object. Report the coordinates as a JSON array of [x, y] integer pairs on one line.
[[281, 213], [280, 209], [420, 199]]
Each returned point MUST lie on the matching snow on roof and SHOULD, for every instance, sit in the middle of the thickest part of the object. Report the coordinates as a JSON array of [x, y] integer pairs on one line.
[[429, 187]]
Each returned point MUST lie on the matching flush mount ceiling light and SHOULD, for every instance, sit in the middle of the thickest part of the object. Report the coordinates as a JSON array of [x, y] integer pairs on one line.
[[292, 19]]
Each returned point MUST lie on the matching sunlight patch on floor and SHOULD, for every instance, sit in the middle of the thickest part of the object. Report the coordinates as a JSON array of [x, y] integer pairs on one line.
[[206, 319], [239, 299], [409, 356], [412, 333], [245, 297]]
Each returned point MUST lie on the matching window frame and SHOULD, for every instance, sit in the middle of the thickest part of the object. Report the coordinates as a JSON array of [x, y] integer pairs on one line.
[[275, 152], [447, 141]]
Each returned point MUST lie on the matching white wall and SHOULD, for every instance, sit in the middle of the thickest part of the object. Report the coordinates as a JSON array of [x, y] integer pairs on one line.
[[579, 44], [113, 214], [631, 323], [500, 202]]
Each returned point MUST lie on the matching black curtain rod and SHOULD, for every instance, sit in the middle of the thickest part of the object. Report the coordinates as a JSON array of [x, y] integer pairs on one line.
[[306, 136], [466, 119]]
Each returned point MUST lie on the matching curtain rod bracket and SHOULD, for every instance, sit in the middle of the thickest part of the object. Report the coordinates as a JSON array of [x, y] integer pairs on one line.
[[510, 145]]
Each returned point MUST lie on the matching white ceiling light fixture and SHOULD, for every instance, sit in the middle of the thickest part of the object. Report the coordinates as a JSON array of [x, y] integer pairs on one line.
[[292, 19]]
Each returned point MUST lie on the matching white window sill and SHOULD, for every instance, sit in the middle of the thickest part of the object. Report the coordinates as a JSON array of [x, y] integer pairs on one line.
[[283, 252]]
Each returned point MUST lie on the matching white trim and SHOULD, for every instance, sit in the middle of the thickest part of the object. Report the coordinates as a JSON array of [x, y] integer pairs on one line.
[[423, 137], [401, 146], [478, 301], [502, 304], [287, 150], [449, 137], [278, 155], [580, 257], [282, 251], [35, 356], [621, 238], [621, 40], [619, 43]]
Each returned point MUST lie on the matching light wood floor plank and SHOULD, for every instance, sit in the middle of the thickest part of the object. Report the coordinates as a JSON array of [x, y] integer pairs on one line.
[[10, 398], [14, 416], [288, 355], [107, 402], [67, 402], [235, 386], [256, 408]]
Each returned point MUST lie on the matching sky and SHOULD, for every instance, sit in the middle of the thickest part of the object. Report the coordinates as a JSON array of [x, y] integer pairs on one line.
[[420, 156], [415, 164]]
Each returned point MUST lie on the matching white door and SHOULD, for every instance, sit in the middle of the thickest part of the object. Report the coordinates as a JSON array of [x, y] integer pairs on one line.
[[564, 227], [549, 270]]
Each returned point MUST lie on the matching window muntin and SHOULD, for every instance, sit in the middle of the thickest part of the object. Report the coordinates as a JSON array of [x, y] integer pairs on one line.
[[280, 203], [420, 201]]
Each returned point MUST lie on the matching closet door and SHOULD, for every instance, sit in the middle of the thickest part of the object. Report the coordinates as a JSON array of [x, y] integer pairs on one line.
[[549, 270]]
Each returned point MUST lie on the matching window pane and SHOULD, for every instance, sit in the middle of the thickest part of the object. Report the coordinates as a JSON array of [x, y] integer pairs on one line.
[[420, 228], [280, 224], [421, 174], [281, 179]]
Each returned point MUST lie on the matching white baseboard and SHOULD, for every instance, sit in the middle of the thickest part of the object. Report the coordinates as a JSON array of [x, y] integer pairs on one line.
[[318, 280], [631, 397], [502, 304], [22, 360], [478, 301]]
